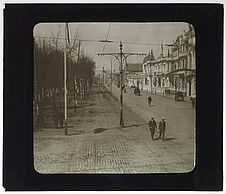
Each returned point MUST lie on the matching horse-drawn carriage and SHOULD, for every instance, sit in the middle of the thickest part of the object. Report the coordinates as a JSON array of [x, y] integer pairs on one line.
[[179, 96], [137, 91]]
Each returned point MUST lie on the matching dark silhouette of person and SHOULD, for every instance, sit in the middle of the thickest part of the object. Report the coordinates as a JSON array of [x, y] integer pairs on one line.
[[152, 126], [61, 118], [58, 117], [149, 100], [162, 128]]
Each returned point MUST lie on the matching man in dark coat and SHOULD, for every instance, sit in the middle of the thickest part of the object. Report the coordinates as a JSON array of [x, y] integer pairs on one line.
[[152, 126], [162, 128]]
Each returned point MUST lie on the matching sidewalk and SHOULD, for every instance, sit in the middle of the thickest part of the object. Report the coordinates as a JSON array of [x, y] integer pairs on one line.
[[130, 90], [96, 144]]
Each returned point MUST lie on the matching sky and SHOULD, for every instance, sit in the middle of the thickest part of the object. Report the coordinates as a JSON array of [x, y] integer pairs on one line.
[[149, 33]]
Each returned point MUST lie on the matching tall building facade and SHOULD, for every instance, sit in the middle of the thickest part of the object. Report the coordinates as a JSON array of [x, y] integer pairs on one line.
[[175, 71]]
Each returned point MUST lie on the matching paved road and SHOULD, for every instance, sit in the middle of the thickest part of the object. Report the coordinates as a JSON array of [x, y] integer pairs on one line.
[[96, 144], [180, 116]]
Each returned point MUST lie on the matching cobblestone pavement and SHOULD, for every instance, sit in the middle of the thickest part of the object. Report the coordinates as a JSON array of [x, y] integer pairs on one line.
[[96, 144]]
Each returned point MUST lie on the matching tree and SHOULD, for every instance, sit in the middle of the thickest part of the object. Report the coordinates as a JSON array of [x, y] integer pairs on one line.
[[49, 69]]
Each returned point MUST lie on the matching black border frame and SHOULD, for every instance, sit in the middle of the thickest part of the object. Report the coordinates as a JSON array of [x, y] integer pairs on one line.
[[19, 20]]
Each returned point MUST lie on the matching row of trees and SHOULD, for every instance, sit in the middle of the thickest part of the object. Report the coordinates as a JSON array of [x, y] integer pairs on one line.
[[49, 72]]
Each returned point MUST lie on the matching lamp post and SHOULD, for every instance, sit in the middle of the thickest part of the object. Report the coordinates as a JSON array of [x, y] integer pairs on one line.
[[111, 77], [121, 57], [65, 81], [121, 95]]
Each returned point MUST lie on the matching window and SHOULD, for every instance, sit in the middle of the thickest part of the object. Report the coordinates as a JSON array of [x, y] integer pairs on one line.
[[173, 68], [185, 63], [190, 60]]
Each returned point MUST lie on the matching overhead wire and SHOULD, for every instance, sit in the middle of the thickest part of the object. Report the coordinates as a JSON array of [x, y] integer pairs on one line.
[[107, 41], [107, 36]]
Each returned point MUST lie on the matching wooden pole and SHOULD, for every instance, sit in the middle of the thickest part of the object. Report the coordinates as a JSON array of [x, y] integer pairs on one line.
[[121, 95], [65, 81]]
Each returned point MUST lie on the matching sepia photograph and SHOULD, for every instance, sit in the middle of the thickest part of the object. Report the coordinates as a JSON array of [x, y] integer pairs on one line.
[[114, 97]]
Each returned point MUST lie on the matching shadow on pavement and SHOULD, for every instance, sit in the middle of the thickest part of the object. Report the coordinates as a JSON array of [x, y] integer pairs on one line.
[[135, 125], [171, 138], [100, 130], [166, 139], [75, 133]]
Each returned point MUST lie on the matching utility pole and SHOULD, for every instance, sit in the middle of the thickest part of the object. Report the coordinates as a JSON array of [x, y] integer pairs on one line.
[[151, 82], [111, 76], [121, 57], [121, 95], [65, 81], [80, 79], [75, 95], [36, 86], [81, 90], [103, 75], [103, 82], [79, 44], [150, 76], [76, 84], [175, 90]]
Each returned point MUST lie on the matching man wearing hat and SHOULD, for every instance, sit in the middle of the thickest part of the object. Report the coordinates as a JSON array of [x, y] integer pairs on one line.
[[152, 126], [162, 128]]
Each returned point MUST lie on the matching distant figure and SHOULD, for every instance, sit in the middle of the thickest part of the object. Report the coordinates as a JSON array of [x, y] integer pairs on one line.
[[193, 101], [149, 100], [58, 117], [152, 126], [61, 118], [162, 128]]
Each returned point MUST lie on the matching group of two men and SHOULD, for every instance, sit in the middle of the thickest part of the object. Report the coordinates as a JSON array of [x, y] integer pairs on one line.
[[153, 127]]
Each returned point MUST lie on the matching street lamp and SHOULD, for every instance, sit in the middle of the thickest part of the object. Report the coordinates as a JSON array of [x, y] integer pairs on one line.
[[120, 57]]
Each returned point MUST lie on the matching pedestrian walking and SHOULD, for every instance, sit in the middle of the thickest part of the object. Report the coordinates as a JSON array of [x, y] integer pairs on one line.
[[193, 101], [152, 126], [61, 118], [149, 100], [162, 128], [58, 117]]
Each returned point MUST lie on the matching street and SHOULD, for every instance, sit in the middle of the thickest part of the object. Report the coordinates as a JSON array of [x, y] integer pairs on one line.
[[179, 115], [96, 144]]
